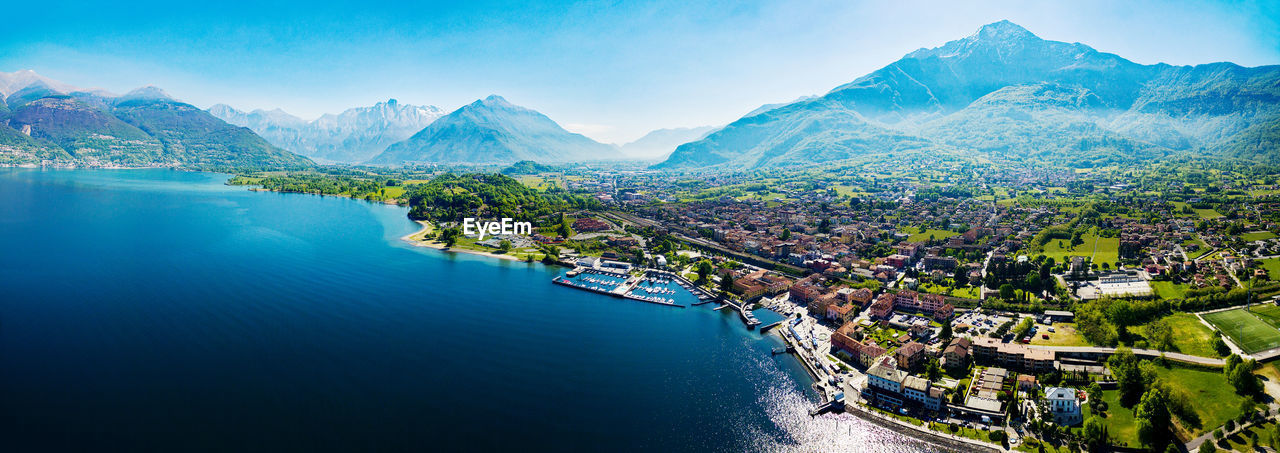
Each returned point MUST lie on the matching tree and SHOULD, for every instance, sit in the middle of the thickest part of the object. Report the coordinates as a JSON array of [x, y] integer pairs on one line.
[[1023, 327], [1220, 346], [946, 333], [1007, 292], [504, 246], [704, 269], [1207, 447], [1095, 434], [1095, 397], [450, 236], [1152, 417], [933, 371], [1129, 379], [1160, 335], [726, 284], [564, 229], [1239, 374], [786, 234]]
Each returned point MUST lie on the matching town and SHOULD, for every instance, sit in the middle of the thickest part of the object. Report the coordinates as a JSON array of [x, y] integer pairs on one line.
[[989, 305], [1037, 310]]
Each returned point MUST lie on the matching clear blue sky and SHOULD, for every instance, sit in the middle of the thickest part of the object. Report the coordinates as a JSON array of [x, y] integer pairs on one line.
[[612, 70]]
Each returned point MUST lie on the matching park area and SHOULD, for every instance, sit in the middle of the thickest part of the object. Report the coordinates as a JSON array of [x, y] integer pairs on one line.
[[1246, 330]]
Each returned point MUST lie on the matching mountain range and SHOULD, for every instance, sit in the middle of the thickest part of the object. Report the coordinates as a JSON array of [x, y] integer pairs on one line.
[[1006, 93], [44, 121], [1002, 93], [494, 131], [353, 136]]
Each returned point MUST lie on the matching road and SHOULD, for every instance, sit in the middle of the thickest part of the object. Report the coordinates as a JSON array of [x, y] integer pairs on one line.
[[1207, 361]]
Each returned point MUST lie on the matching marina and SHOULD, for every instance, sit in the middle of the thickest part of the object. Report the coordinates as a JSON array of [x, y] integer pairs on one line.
[[646, 288]]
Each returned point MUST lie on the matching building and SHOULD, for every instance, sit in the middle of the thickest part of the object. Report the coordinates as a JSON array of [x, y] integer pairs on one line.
[[890, 386], [897, 261], [909, 356], [1027, 383], [1064, 405], [931, 304], [1059, 315], [942, 263], [841, 312], [883, 306], [860, 296], [956, 354], [921, 391], [846, 339], [1013, 355], [589, 224], [884, 376]]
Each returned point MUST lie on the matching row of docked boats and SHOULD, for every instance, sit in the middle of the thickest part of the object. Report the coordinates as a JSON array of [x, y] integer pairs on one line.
[[589, 287]]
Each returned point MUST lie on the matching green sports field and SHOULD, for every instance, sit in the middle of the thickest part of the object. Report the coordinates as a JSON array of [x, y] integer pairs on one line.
[[1246, 330], [1268, 313]]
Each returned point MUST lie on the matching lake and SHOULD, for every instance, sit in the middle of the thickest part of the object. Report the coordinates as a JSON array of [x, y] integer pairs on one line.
[[164, 310]]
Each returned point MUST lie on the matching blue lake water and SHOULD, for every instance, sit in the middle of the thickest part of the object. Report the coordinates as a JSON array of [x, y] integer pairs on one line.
[[162, 310]]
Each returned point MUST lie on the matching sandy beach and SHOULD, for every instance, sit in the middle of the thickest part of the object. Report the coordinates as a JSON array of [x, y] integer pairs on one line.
[[416, 240]]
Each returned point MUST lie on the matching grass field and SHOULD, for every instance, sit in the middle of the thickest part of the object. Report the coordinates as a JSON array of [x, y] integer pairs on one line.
[[922, 236], [1246, 330], [1120, 424], [1190, 335], [1201, 213], [1268, 313], [970, 292], [1257, 236], [1103, 250], [1065, 335], [1214, 400], [1272, 266], [1169, 290], [393, 192]]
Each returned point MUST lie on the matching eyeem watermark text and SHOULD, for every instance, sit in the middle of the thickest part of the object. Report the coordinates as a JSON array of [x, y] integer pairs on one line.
[[507, 225]]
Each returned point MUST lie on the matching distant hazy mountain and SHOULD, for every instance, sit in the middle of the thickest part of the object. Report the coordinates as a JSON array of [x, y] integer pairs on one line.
[[11, 82], [355, 135], [1006, 92], [145, 127], [493, 131], [659, 144]]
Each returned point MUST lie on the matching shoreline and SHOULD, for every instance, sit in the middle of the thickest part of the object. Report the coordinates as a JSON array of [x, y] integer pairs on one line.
[[415, 239], [853, 408], [391, 202]]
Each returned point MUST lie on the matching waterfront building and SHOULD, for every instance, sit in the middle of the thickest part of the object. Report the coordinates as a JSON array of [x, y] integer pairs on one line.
[[885, 376], [921, 391], [888, 385]]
